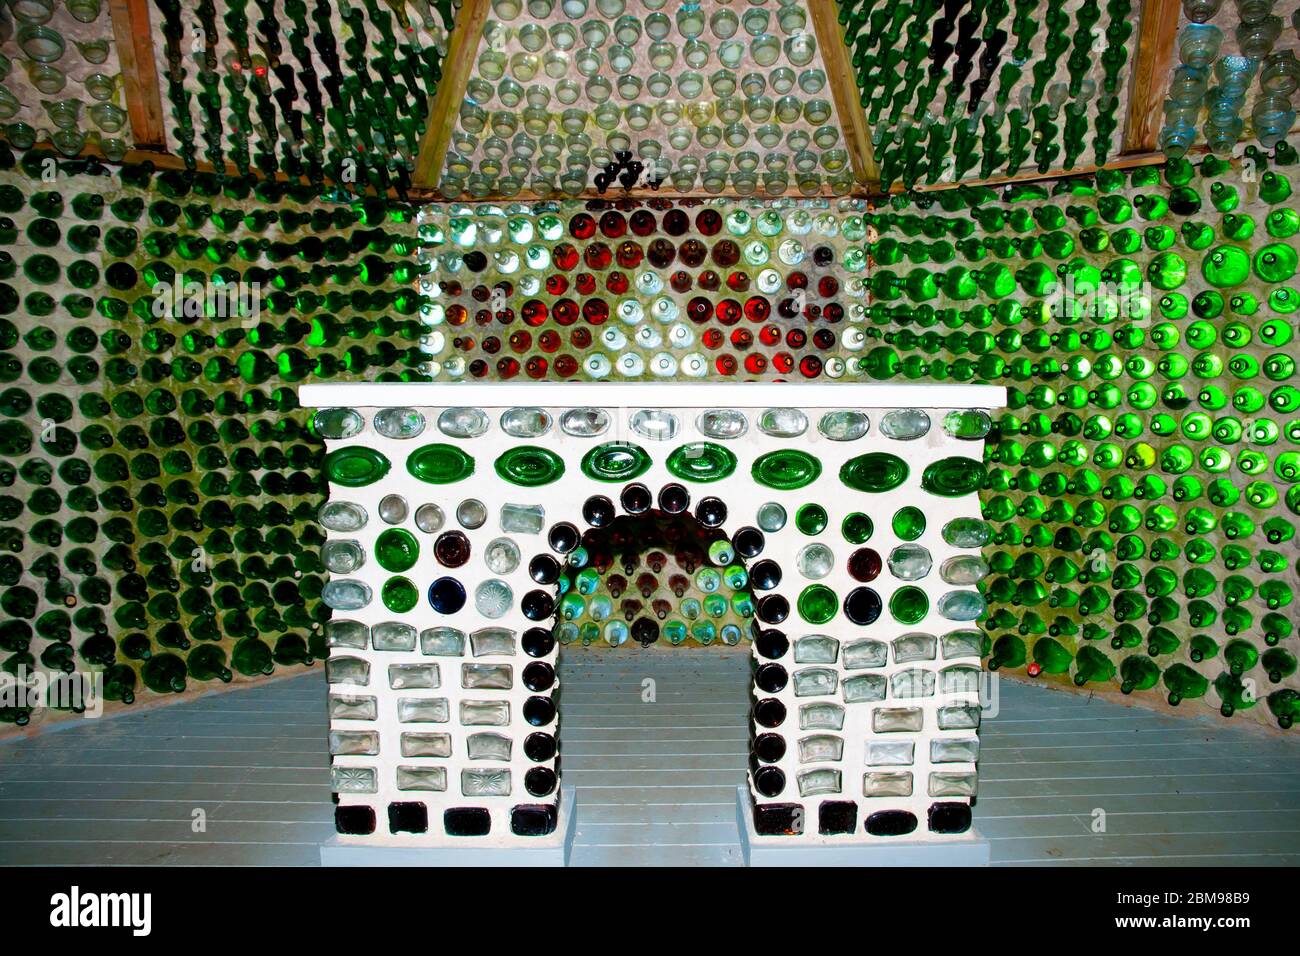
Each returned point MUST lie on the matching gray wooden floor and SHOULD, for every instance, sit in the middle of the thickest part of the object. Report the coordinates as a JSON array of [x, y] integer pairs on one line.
[[656, 780]]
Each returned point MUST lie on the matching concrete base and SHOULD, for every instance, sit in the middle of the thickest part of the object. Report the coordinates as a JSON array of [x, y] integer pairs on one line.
[[968, 849], [552, 850]]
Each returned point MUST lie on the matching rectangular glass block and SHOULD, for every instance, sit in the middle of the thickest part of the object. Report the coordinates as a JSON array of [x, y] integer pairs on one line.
[[960, 679], [868, 653], [955, 750], [423, 710], [887, 784], [864, 687], [414, 676], [347, 670], [962, 643], [345, 707], [816, 649], [350, 634], [353, 780], [492, 642], [952, 784], [820, 748], [890, 753], [484, 713], [897, 720], [912, 682], [354, 742], [421, 778], [814, 783], [959, 717], [479, 782], [522, 519], [821, 717], [815, 682], [915, 647], [392, 636], [442, 642], [489, 747], [486, 676], [426, 745]]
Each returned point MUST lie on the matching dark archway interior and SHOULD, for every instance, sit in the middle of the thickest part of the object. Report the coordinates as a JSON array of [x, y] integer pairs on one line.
[[660, 572]]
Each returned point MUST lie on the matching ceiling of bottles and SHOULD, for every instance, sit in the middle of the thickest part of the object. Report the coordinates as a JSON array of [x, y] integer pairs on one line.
[[1234, 75], [60, 77], [500, 99]]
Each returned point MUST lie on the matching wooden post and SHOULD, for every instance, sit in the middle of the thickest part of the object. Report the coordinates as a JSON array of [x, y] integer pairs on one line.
[[844, 90], [1152, 64], [462, 46], [133, 35]]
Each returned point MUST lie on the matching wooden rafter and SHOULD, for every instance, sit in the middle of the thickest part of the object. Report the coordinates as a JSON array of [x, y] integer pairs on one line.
[[462, 46], [134, 38], [1152, 64], [844, 90]]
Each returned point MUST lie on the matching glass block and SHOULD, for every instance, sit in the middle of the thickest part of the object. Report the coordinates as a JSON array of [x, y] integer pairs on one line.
[[489, 747], [442, 642], [885, 784], [913, 682], [346, 707], [486, 676], [896, 720], [485, 713], [865, 653], [522, 519], [475, 782], [815, 681], [915, 646], [961, 643], [816, 649], [423, 710], [347, 670], [954, 750], [958, 717], [821, 716], [425, 745], [820, 748], [421, 778], [354, 742], [341, 632], [952, 784], [817, 782], [890, 753], [393, 636], [492, 642], [960, 679], [353, 780], [864, 688], [346, 594], [414, 676]]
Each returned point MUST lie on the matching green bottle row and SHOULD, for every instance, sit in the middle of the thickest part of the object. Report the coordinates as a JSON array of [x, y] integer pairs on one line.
[[158, 483], [1143, 487]]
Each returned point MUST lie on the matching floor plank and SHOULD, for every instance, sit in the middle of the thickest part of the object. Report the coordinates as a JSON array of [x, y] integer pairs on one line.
[[656, 780]]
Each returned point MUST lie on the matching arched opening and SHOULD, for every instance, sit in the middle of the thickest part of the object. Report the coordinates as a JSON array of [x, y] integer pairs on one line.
[[650, 597]]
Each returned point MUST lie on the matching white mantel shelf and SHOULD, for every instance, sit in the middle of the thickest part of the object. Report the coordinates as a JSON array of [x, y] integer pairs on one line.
[[652, 395]]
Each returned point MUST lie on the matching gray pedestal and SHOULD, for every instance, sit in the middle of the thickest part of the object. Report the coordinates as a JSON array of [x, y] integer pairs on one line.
[[970, 849], [552, 850]]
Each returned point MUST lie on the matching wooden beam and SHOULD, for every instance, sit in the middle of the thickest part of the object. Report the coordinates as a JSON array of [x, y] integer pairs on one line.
[[1152, 63], [1033, 175], [135, 52], [844, 90], [444, 107]]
